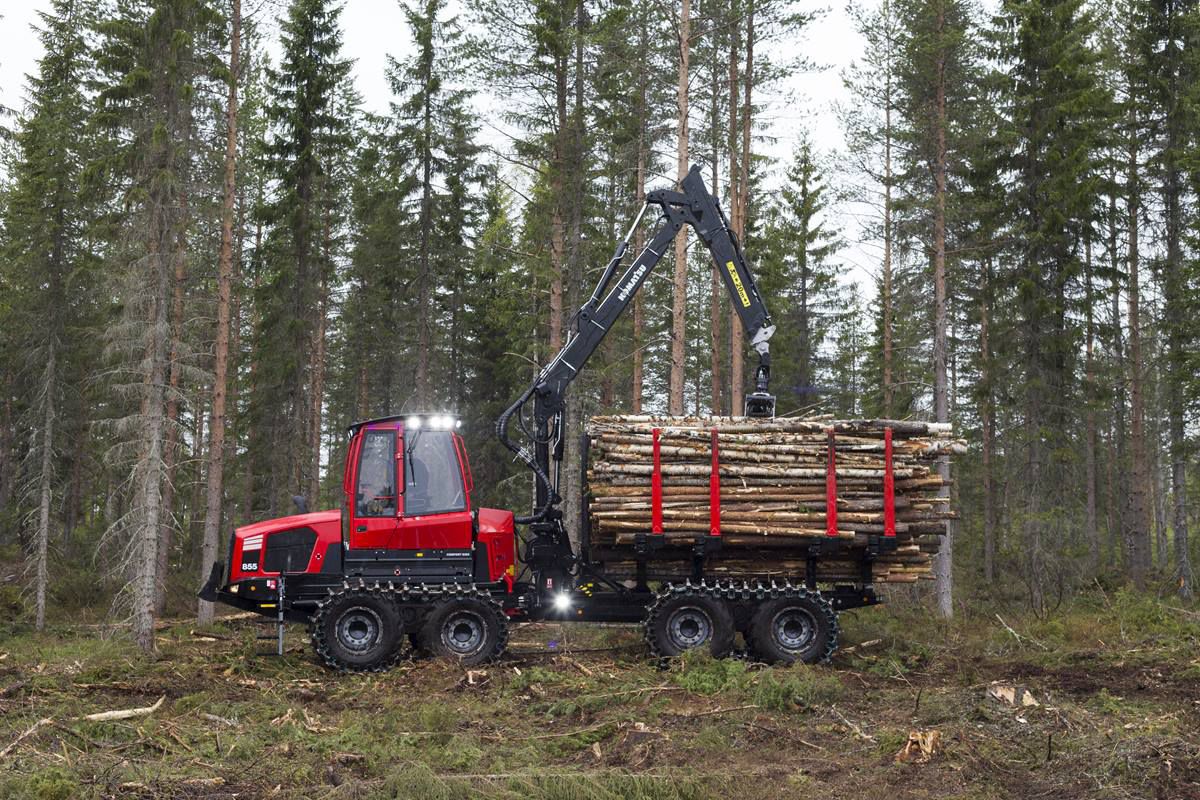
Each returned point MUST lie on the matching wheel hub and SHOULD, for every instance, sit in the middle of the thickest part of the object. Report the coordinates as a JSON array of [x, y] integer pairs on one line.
[[794, 629], [464, 633], [690, 627], [359, 629]]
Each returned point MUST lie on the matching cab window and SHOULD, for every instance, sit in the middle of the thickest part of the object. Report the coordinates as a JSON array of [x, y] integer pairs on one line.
[[375, 495], [433, 482]]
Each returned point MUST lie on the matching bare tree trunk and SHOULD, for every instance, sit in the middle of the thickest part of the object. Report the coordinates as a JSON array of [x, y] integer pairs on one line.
[[558, 222], [216, 436], [1118, 478], [987, 414], [737, 337], [639, 236], [714, 307], [318, 385], [735, 199], [1090, 525], [45, 487], [573, 499], [886, 299], [171, 447], [425, 279], [944, 561], [679, 280], [7, 461], [1137, 531], [1178, 372], [150, 470]]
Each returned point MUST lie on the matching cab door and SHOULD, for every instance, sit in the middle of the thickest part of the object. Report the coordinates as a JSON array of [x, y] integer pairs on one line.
[[436, 501], [372, 498]]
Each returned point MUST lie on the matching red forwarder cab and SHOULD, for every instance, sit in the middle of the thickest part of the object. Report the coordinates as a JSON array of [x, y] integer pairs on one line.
[[406, 516]]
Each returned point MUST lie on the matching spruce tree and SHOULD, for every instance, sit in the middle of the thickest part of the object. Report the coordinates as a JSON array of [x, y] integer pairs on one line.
[[155, 58], [50, 271], [1051, 110], [308, 130], [799, 280]]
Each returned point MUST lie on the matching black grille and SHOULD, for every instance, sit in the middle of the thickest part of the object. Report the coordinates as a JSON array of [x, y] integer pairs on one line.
[[289, 551]]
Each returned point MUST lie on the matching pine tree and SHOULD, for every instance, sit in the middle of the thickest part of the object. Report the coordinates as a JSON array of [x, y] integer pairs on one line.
[[215, 478], [937, 79]]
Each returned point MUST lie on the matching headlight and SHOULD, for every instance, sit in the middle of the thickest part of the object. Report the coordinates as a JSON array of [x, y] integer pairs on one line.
[[562, 601]]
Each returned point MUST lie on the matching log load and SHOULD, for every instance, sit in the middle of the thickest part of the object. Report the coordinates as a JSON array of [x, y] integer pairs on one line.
[[775, 483]]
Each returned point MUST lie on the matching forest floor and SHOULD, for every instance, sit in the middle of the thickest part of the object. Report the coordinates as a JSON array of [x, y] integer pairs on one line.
[[578, 712]]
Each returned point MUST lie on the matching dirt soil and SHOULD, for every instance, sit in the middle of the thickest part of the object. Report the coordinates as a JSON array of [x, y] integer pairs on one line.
[[581, 712]]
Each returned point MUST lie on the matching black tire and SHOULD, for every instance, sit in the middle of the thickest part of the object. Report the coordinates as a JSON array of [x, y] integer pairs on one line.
[[684, 620], [799, 627], [468, 630], [358, 631]]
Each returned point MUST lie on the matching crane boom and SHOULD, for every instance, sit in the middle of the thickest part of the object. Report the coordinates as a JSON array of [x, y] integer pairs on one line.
[[693, 206]]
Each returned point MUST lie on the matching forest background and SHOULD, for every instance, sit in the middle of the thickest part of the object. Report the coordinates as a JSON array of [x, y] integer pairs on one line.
[[214, 257]]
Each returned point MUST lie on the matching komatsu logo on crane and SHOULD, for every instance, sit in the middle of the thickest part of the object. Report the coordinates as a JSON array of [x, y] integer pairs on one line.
[[737, 284], [631, 284]]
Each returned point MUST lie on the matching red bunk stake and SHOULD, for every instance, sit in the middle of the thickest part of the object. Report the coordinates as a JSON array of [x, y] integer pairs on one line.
[[656, 521], [889, 486], [831, 528], [714, 490]]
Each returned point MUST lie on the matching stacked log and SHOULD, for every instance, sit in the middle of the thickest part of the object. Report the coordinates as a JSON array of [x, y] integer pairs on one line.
[[773, 477]]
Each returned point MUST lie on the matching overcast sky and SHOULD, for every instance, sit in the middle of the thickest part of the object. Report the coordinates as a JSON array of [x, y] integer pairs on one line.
[[374, 29]]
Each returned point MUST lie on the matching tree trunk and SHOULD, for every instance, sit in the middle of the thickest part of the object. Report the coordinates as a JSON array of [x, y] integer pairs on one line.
[[1090, 525], [318, 382], [679, 280], [639, 236], [216, 435], [943, 564], [1178, 373], [1137, 531], [422, 392], [45, 487], [987, 414], [716, 290], [1118, 480], [885, 296], [737, 336], [171, 447]]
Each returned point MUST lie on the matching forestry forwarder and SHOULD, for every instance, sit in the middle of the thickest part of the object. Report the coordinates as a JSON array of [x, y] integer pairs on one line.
[[409, 554]]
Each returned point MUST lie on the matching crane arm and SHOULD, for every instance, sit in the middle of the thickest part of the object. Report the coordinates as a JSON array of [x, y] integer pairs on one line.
[[693, 206]]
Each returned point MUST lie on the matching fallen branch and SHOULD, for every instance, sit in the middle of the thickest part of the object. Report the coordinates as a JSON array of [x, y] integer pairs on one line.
[[857, 730], [126, 713], [34, 728], [1018, 636], [718, 711]]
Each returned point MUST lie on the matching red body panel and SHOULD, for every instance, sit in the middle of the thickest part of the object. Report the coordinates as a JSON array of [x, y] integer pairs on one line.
[[249, 541], [496, 529]]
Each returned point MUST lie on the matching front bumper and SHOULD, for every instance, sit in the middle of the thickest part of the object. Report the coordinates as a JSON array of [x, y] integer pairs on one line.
[[214, 592]]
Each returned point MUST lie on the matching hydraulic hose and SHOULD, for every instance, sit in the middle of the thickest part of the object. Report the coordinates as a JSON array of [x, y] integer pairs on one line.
[[527, 457]]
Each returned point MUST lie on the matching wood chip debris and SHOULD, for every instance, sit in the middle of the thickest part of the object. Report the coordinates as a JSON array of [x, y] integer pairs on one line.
[[1012, 695], [920, 748]]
